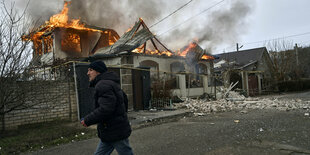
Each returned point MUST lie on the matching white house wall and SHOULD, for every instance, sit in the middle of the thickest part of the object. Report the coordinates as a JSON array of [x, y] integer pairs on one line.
[[163, 62], [110, 62]]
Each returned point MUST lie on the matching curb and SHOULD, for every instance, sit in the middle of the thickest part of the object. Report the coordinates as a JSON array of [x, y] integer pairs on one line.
[[159, 120]]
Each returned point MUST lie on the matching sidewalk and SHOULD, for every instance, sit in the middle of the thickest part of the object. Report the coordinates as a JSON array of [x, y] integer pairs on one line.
[[138, 119]]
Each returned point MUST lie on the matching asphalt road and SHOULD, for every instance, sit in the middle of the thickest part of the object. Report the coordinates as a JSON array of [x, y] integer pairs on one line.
[[253, 132], [256, 132]]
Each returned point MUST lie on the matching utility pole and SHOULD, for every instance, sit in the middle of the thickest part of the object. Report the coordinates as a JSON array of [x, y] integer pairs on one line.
[[296, 51], [237, 45]]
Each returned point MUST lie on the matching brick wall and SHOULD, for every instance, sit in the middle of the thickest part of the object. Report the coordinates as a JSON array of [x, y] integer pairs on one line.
[[48, 100], [126, 78]]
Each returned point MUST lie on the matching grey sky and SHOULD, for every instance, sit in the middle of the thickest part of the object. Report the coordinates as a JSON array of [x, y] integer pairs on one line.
[[278, 19], [218, 29]]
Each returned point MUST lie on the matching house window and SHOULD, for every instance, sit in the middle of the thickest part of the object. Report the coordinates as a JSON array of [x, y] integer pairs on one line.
[[177, 67], [71, 42]]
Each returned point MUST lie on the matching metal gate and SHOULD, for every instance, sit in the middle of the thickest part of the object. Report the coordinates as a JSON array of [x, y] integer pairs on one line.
[[86, 93], [141, 88]]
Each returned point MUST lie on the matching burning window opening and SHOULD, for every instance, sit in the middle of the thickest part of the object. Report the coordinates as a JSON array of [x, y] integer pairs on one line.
[[112, 38], [70, 42]]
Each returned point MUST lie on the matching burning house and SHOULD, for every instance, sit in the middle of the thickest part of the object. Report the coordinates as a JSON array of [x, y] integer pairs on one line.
[[187, 71], [62, 39]]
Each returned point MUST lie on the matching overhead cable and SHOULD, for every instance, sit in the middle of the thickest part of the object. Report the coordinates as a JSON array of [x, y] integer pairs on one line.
[[192, 17], [290, 36], [171, 13]]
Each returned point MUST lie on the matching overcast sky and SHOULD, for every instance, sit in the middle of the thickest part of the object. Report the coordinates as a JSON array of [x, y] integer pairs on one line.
[[278, 19], [251, 23], [267, 20]]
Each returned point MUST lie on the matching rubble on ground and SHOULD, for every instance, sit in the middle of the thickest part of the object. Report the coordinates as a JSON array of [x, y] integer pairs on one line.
[[235, 101]]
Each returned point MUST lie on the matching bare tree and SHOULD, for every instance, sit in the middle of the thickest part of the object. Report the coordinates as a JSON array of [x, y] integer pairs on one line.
[[15, 56], [283, 57]]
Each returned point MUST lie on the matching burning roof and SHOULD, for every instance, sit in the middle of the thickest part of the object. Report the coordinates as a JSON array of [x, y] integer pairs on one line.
[[135, 41], [131, 40]]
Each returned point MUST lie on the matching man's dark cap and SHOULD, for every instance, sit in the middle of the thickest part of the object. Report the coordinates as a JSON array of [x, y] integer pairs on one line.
[[98, 66]]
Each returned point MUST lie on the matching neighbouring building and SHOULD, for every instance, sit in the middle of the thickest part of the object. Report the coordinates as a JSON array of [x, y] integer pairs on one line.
[[252, 69]]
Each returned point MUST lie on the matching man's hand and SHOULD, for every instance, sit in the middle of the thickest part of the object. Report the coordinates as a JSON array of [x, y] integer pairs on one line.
[[83, 123]]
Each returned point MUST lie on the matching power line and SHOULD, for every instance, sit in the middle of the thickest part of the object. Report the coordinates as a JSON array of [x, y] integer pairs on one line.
[[255, 42], [192, 17], [295, 35], [172, 13]]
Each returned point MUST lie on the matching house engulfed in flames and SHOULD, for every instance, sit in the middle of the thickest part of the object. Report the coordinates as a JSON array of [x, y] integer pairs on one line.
[[61, 39]]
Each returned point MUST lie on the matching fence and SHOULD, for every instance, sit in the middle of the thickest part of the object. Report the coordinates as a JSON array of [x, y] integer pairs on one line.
[[161, 103], [43, 94], [53, 92]]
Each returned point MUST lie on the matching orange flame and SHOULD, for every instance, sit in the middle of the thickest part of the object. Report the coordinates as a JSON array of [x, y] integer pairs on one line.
[[191, 45], [62, 20], [183, 53], [57, 20], [70, 42], [151, 52], [206, 57]]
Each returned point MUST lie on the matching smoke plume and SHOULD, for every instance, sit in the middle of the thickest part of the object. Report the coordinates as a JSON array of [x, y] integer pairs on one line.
[[217, 26]]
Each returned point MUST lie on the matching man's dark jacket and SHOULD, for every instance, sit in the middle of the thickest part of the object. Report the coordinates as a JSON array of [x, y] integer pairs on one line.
[[109, 114]]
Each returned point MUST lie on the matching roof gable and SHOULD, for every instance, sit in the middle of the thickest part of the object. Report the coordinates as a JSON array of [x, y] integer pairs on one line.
[[242, 58]]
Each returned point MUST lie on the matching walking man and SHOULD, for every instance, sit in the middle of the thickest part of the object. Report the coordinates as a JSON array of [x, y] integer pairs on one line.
[[110, 113]]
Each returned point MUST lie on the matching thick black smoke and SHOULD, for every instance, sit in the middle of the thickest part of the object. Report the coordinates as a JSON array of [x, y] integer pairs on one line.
[[217, 26]]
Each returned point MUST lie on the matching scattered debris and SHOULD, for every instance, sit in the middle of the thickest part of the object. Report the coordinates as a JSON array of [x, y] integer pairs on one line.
[[235, 101], [243, 112], [176, 99], [82, 133], [199, 114], [42, 147], [236, 121], [261, 129], [153, 109]]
